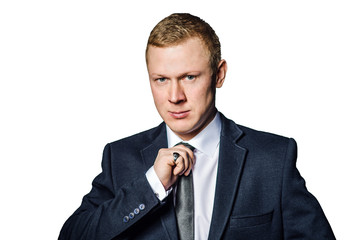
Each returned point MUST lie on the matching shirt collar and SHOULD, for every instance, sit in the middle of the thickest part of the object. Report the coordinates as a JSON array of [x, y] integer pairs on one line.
[[206, 141]]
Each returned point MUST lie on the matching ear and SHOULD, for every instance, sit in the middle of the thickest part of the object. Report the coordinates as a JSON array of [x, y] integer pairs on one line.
[[221, 73]]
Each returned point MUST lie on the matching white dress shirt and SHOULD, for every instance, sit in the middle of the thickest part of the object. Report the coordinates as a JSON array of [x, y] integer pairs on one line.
[[206, 145]]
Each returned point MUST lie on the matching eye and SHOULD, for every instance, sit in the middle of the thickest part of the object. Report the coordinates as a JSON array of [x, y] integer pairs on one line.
[[190, 77], [160, 80]]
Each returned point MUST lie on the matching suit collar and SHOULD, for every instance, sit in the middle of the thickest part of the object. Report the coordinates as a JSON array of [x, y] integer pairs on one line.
[[231, 161], [230, 130]]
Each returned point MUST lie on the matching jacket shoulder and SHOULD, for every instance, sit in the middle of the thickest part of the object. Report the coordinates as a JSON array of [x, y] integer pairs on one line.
[[261, 135], [245, 135], [261, 140], [139, 140]]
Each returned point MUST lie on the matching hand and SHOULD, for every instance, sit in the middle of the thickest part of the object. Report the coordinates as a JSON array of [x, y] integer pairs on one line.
[[169, 170]]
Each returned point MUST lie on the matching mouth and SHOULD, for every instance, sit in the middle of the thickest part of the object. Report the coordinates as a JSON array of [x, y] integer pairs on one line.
[[179, 114]]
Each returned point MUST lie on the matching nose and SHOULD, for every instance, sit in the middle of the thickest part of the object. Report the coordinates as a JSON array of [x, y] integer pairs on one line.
[[176, 94]]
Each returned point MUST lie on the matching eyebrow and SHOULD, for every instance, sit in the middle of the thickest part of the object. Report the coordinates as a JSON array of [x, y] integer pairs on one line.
[[180, 76]]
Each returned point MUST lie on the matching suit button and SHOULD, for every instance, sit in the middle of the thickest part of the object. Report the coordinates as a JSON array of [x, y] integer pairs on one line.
[[142, 206], [137, 211], [131, 215], [126, 219]]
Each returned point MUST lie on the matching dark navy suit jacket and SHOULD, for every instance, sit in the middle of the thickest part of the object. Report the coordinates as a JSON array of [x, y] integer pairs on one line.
[[259, 192]]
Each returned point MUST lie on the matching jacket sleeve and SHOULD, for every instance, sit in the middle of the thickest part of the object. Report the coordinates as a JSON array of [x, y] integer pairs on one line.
[[303, 217], [105, 212]]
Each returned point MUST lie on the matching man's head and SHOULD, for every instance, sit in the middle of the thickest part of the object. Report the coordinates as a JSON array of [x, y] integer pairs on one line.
[[183, 72]]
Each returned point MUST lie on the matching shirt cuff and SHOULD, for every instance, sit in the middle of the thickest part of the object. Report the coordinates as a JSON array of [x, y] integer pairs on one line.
[[156, 184]]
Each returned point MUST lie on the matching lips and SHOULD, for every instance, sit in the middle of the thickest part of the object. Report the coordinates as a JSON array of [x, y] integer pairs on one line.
[[179, 114]]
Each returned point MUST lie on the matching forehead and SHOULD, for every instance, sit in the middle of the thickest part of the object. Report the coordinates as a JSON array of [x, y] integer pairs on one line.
[[196, 42], [191, 52]]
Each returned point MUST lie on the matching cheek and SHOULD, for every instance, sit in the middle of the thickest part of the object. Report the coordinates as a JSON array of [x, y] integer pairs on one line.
[[159, 98], [204, 96], [156, 93]]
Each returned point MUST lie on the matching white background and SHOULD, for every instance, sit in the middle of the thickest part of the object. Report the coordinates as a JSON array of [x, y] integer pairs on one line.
[[73, 78]]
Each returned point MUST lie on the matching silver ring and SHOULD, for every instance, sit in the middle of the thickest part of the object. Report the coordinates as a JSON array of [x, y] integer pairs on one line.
[[176, 156]]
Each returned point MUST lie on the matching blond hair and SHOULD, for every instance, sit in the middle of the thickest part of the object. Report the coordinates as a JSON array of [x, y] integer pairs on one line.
[[179, 27]]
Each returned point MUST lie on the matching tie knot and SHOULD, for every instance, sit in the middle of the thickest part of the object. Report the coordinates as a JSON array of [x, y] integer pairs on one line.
[[186, 145]]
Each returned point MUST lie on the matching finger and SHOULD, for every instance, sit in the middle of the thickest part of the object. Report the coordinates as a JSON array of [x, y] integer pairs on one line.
[[188, 171], [179, 166], [192, 163], [188, 150], [188, 161], [169, 158], [186, 153]]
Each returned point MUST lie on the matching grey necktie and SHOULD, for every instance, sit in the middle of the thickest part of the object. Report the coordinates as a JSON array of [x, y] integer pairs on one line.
[[184, 208]]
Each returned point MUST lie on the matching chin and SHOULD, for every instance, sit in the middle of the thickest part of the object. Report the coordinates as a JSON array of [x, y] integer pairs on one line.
[[181, 128]]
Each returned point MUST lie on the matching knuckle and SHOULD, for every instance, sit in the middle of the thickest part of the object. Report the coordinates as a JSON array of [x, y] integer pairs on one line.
[[161, 151]]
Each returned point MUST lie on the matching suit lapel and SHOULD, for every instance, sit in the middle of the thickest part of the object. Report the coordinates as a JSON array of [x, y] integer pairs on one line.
[[155, 141], [149, 153], [231, 161]]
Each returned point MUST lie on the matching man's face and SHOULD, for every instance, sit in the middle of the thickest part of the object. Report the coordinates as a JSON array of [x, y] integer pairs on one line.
[[182, 86]]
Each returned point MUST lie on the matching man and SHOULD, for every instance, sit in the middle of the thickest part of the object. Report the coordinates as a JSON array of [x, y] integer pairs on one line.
[[198, 175]]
